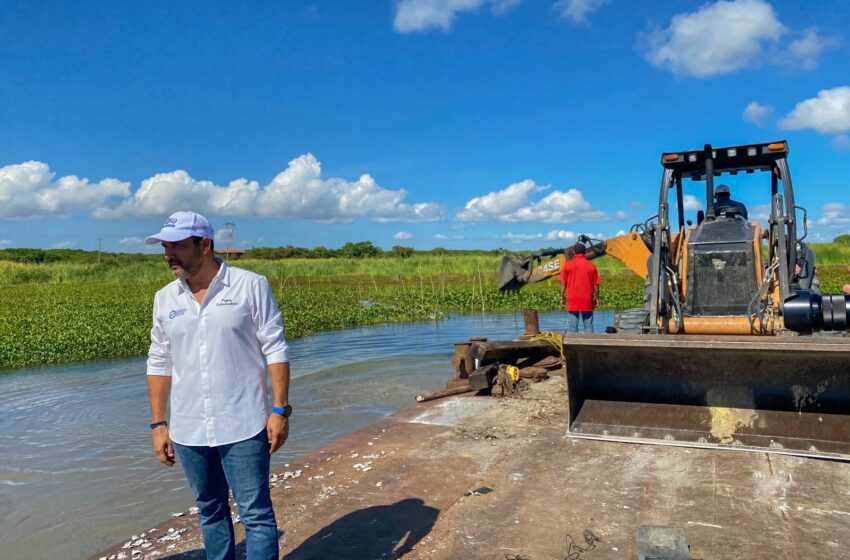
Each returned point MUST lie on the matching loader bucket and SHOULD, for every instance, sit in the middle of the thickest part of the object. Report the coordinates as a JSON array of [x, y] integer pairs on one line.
[[787, 395]]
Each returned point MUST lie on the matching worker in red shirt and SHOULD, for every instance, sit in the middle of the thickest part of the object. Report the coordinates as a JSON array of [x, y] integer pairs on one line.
[[579, 289]]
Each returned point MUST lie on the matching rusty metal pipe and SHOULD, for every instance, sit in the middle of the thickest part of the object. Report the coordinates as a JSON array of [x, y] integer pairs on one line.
[[714, 325]]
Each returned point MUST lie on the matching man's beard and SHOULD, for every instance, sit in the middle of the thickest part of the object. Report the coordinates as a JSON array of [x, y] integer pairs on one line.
[[179, 272], [182, 271]]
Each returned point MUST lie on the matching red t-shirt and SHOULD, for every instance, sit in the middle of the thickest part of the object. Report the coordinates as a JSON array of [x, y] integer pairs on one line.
[[580, 276]]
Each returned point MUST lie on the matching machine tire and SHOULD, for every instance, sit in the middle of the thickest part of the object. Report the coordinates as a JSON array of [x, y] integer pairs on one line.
[[631, 320]]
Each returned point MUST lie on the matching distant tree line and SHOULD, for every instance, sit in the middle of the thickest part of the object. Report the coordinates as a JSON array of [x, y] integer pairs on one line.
[[44, 256], [355, 250], [351, 250]]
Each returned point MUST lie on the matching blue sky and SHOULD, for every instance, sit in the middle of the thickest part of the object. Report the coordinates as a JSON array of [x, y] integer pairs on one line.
[[454, 123]]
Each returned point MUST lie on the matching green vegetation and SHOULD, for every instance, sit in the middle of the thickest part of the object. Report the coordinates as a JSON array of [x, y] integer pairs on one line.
[[831, 253], [60, 309]]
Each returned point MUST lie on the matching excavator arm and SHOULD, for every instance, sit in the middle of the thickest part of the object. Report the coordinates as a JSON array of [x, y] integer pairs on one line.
[[519, 270]]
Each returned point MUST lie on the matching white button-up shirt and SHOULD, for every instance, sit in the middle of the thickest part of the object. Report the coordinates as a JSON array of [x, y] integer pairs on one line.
[[216, 353]]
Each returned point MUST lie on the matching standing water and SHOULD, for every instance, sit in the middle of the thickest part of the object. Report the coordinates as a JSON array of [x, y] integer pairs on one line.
[[77, 472]]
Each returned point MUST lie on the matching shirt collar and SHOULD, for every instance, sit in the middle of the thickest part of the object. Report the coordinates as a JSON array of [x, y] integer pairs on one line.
[[223, 276], [223, 272], [579, 256]]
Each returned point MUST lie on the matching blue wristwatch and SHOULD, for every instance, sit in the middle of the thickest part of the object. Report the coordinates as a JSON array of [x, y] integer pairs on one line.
[[156, 425], [284, 411]]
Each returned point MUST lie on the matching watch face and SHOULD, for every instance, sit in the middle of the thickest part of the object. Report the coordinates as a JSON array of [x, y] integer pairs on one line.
[[287, 410]]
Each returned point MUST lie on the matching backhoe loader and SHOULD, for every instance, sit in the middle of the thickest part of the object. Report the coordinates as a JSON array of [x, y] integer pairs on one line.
[[729, 349]]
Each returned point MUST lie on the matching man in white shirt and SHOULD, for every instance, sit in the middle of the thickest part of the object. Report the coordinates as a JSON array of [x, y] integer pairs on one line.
[[216, 330]]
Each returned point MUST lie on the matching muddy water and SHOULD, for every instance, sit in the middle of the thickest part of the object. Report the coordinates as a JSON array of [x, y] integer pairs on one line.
[[76, 470]]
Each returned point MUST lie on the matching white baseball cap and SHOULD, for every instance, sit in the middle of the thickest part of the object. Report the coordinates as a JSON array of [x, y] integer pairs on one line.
[[181, 225]]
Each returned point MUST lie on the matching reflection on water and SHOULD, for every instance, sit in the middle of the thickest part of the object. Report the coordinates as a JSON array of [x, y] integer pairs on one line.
[[77, 473]]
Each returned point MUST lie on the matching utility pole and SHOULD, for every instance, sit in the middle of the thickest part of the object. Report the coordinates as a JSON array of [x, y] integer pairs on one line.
[[99, 239], [228, 232]]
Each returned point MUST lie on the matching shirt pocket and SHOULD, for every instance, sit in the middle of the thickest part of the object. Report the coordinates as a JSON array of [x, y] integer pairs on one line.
[[228, 317], [178, 324]]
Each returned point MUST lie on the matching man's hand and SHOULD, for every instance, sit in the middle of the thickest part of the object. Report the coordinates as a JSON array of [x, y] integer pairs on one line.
[[277, 428], [595, 302], [162, 445]]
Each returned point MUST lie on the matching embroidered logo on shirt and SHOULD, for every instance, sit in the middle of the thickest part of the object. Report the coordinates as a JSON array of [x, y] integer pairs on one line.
[[176, 313], [227, 302], [170, 222]]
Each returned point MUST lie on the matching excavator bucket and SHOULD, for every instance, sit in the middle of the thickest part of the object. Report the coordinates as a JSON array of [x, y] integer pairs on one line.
[[787, 395], [514, 272]]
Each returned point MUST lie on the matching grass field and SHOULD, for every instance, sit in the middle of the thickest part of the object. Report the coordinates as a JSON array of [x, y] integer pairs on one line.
[[69, 311]]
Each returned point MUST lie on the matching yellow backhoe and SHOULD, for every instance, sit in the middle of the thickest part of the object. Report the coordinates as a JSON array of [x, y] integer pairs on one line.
[[731, 348]]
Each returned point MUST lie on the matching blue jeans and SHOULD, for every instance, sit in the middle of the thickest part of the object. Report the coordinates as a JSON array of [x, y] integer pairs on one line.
[[586, 319], [243, 467]]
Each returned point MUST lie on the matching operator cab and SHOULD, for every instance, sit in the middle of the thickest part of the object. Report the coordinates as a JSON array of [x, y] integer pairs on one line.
[[723, 252]]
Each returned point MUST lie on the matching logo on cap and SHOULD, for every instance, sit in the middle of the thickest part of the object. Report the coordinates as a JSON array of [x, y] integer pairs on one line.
[[170, 222]]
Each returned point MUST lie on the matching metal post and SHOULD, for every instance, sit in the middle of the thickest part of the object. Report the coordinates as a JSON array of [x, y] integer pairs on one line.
[[677, 181], [532, 324], [709, 183], [229, 234]]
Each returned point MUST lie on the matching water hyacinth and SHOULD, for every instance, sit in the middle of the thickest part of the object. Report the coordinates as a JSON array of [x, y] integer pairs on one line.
[[76, 320]]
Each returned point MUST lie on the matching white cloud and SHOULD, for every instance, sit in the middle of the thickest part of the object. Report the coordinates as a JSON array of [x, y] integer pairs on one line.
[[421, 15], [804, 52], [719, 38], [30, 190], [757, 113], [828, 113], [137, 244], [5, 242], [132, 241], [841, 143], [64, 245], [564, 236], [444, 237], [835, 216], [691, 203], [220, 237], [522, 237], [578, 10], [402, 235], [561, 235], [512, 204], [637, 205]]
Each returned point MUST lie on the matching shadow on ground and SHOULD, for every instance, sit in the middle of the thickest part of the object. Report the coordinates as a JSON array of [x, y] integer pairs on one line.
[[375, 532]]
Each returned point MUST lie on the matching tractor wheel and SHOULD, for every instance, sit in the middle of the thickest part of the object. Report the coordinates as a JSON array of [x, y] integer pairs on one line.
[[631, 320]]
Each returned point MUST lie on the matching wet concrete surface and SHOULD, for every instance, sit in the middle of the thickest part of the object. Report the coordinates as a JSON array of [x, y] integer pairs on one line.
[[401, 488]]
